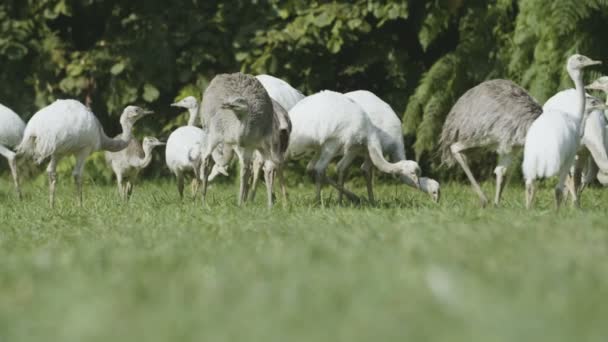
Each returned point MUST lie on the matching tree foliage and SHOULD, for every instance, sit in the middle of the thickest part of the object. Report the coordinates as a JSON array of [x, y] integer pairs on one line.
[[419, 56]]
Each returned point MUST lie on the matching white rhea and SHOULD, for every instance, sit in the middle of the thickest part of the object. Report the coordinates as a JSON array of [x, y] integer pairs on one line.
[[281, 91], [67, 127], [329, 124], [11, 133], [553, 139], [128, 163], [597, 131], [387, 124], [183, 145], [592, 150]]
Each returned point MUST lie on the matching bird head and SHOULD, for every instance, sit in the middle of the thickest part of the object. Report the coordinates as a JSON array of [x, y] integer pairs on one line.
[[576, 63], [594, 104], [409, 170], [151, 142], [216, 171], [189, 102], [431, 187], [133, 113], [600, 84], [237, 104]]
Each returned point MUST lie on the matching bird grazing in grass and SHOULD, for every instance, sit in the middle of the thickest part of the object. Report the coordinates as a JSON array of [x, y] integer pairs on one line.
[[553, 139], [11, 133], [128, 163], [238, 112], [67, 127], [493, 116], [387, 124], [329, 124]]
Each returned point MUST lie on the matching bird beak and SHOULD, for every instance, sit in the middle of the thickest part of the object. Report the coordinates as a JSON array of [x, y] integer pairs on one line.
[[176, 104], [148, 112], [592, 62]]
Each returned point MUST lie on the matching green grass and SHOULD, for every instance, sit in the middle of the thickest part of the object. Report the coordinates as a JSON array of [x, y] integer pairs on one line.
[[404, 270]]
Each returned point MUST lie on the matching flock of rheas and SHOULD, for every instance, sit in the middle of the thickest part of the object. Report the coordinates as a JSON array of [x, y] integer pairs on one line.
[[265, 122]]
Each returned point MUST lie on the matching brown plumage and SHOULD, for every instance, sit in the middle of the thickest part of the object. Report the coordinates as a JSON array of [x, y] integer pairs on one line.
[[495, 116]]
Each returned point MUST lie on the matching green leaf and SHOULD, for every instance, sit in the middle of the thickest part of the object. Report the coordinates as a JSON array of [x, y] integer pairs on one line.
[[117, 68], [150, 94]]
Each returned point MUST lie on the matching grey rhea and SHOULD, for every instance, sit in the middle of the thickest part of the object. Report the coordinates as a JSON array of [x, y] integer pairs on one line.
[[280, 142], [128, 163], [238, 112], [494, 115]]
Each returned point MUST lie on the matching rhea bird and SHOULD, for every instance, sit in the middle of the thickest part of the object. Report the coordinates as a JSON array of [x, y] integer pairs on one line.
[[386, 122], [553, 139], [284, 97], [329, 124], [181, 144], [238, 112], [67, 127], [492, 116], [128, 163], [593, 148], [11, 133], [597, 131]]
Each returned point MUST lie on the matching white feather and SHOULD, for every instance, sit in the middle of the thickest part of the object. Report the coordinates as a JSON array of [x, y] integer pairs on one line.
[[179, 144], [11, 127], [551, 144], [280, 91], [61, 128]]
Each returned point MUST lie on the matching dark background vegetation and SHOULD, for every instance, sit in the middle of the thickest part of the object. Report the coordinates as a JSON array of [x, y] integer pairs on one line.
[[419, 56]]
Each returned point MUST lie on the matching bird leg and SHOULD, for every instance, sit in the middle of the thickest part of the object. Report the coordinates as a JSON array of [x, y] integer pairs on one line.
[[269, 174], [257, 167], [129, 190], [245, 161], [205, 167], [121, 186], [342, 168], [559, 190], [180, 184], [194, 186], [51, 171], [12, 163], [77, 173], [282, 182], [368, 173], [504, 160], [457, 149], [529, 193]]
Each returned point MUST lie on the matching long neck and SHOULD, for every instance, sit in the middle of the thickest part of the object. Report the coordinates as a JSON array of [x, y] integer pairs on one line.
[[192, 120], [119, 143], [145, 161], [374, 149], [580, 90]]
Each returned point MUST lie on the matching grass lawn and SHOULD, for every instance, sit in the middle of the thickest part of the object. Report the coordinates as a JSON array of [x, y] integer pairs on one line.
[[404, 270]]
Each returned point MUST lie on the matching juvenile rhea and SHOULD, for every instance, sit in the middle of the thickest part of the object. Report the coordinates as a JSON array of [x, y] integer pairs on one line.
[[186, 139], [67, 127], [554, 138], [329, 124], [11, 133], [238, 112], [128, 163]]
